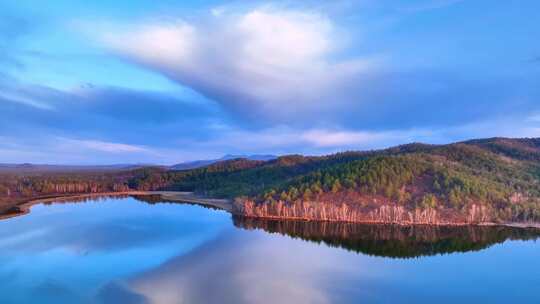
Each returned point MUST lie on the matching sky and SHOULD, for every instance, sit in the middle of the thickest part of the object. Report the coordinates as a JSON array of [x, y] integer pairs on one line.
[[162, 82]]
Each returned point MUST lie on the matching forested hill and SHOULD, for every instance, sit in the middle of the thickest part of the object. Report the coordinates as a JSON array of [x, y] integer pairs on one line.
[[486, 180]]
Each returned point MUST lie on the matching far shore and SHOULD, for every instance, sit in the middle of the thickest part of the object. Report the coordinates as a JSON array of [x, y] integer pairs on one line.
[[189, 197], [21, 208]]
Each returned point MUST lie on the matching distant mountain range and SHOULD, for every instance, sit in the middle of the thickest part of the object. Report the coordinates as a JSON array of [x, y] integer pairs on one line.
[[203, 163], [28, 167]]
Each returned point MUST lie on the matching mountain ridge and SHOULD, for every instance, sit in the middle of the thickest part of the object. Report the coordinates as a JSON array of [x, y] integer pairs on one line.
[[202, 163]]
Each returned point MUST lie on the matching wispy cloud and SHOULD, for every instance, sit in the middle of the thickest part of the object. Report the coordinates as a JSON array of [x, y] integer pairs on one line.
[[6, 96], [103, 146], [284, 140], [326, 138]]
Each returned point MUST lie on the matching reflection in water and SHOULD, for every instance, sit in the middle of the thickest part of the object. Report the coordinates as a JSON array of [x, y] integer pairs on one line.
[[153, 199], [392, 240], [83, 198], [63, 252], [256, 267], [150, 199], [119, 250], [240, 267]]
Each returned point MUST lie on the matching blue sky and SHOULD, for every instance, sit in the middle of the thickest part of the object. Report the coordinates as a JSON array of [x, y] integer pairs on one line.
[[169, 81]]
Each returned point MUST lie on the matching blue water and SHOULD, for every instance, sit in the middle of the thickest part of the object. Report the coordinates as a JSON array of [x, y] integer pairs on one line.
[[121, 250]]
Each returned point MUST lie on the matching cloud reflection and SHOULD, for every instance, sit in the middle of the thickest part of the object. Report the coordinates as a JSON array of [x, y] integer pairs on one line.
[[242, 267], [101, 227]]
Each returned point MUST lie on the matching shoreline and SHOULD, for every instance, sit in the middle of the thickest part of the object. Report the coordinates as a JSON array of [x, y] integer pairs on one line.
[[24, 207], [189, 197], [403, 224]]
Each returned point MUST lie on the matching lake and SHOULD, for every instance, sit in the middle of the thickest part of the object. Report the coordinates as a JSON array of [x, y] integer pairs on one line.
[[142, 250]]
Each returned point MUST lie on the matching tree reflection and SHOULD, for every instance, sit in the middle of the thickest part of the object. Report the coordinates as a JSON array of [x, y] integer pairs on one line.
[[391, 240]]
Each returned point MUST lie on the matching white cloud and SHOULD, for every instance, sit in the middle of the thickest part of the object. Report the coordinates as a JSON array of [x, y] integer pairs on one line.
[[104, 146], [325, 138], [265, 62], [280, 66], [283, 39], [165, 45]]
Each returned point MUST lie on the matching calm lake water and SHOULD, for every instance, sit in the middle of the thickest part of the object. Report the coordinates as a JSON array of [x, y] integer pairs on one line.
[[126, 250]]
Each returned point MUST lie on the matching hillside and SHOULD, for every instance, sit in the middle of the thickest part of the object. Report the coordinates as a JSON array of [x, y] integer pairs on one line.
[[203, 163], [486, 180], [489, 180]]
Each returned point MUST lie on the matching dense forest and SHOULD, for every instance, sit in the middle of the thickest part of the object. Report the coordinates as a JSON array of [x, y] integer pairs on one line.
[[21, 186], [487, 180]]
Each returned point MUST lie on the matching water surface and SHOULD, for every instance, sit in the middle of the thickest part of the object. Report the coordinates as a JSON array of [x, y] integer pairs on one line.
[[127, 250]]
